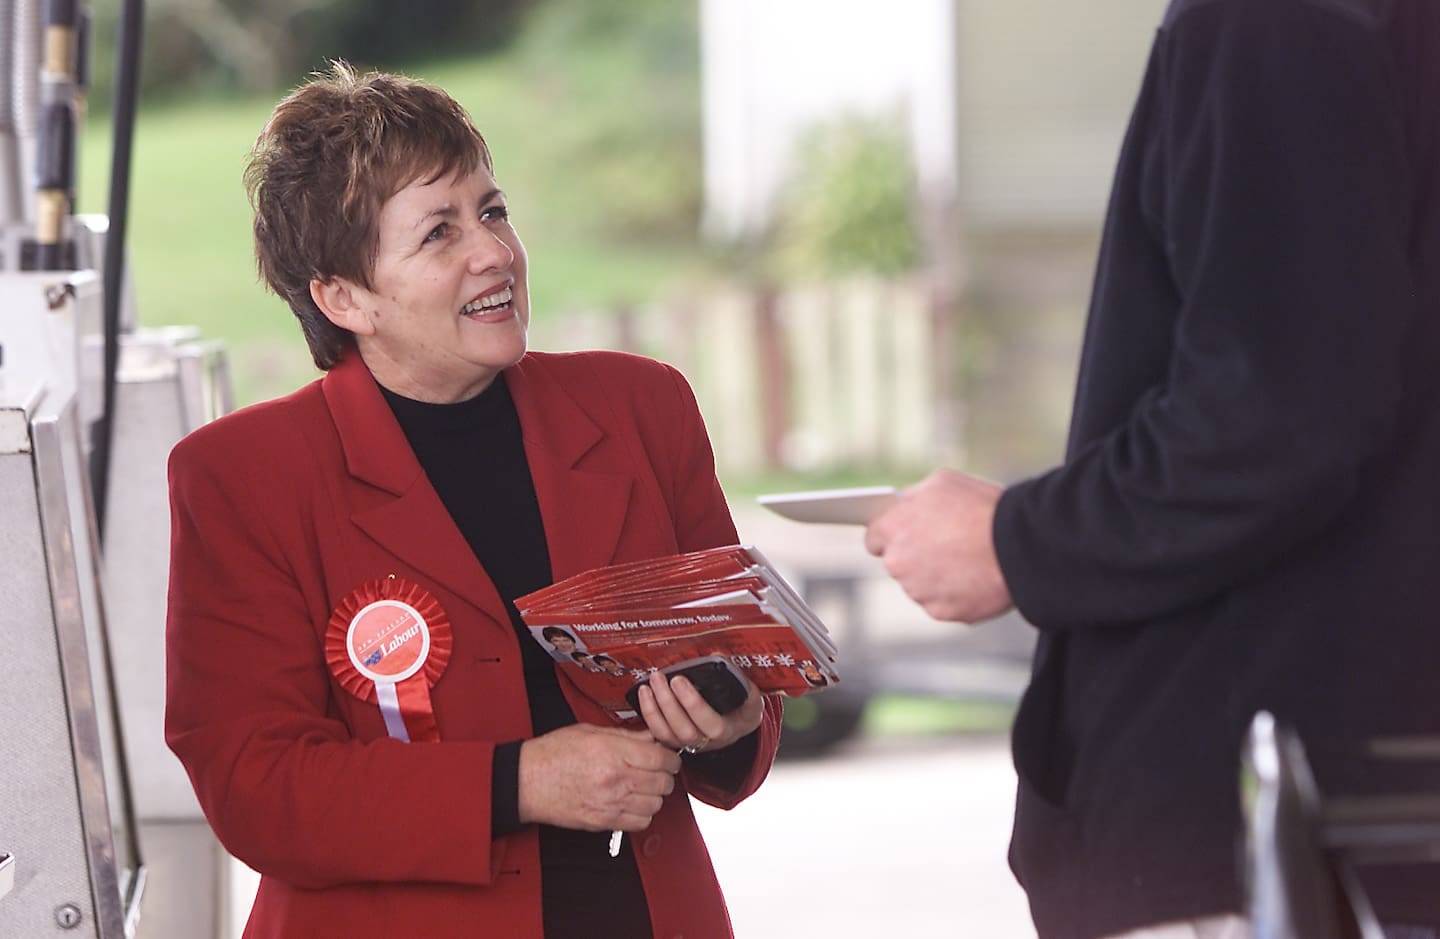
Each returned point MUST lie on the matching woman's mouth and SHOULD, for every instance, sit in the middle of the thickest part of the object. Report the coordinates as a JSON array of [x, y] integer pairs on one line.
[[496, 302]]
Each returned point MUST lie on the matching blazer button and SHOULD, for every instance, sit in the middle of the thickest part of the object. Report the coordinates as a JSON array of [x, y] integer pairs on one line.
[[651, 847]]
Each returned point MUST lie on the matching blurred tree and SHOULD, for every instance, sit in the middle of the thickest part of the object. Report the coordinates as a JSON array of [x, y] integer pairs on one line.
[[251, 44], [621, 144], [262, 45], [386, 33], [848, 205]]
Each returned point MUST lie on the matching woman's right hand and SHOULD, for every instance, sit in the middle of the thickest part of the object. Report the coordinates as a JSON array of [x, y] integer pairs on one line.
[[595, 778]]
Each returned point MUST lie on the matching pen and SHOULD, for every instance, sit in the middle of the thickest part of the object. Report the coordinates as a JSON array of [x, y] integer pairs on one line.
[[617, 835]]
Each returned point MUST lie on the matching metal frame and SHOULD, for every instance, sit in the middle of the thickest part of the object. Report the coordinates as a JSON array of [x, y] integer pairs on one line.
[[116, 903], [7, 872], [1302, 850], [204, 372]]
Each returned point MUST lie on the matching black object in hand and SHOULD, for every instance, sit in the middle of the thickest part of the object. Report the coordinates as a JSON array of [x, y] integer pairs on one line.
[[714, 677]]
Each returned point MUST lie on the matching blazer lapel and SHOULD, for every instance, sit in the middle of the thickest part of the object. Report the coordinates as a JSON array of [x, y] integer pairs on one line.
[[413, 525], [583, 510]]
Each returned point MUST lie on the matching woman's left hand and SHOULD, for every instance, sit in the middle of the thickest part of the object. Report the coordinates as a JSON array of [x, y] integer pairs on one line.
[[679, 717]]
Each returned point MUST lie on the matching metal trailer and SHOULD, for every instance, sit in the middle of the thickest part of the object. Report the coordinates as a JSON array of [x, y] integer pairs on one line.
[[92, 804]]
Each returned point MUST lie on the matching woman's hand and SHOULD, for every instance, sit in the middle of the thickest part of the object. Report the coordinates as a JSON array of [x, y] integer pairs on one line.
[[595, 778], [678, 716]]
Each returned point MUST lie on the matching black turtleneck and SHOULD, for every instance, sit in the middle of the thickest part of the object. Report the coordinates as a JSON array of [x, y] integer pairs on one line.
[[473, 453]]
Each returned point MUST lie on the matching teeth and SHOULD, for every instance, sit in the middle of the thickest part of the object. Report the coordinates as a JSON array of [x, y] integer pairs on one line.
[[499, 298]]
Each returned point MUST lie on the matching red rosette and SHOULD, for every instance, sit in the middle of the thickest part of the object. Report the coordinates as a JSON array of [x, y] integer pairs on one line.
[[388, 643]]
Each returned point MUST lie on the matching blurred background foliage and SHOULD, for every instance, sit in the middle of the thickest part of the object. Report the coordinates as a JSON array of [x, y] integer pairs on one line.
[[849, 202], [246, 46], [621, 161], [592, 109]]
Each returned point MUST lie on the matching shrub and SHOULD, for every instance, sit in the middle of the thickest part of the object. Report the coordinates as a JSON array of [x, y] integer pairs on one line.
[[848, 203]]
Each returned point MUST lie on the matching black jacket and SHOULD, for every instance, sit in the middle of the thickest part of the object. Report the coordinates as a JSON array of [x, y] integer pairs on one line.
[[1248, 515]]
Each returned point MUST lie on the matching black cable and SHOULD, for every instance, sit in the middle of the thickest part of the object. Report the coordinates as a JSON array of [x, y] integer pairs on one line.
[[126, 100]]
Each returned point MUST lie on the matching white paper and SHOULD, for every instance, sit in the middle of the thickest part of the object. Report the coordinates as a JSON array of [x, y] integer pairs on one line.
[[832, 506]]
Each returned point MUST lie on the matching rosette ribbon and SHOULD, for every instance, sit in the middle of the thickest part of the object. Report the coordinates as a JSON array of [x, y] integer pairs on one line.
[[387, 643]]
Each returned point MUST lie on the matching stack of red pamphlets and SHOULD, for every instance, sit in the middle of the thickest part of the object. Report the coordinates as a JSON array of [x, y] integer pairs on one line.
[[612, 628]]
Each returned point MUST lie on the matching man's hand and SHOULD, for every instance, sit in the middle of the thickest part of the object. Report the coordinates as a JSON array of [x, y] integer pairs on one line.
[[936, 543], [595, 778]]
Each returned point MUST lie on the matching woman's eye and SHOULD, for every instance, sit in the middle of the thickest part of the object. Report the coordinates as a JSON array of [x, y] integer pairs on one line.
[[495, 213], [438, 232]]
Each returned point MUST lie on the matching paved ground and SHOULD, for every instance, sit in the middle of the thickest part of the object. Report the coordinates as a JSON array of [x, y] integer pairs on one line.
[[899, 837], [884, 837]]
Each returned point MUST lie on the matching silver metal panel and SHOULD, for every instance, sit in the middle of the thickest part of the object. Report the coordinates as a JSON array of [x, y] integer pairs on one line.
[[64, 802], [7, 872], [116, 873], [39, 799], [19, 395], [43, 318], [90, 233], [169, 384], [149, 419], [186, 882], [206, 391], [37, 329]]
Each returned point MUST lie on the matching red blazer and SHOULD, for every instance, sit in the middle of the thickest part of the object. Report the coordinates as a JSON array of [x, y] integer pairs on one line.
[[279, 511]]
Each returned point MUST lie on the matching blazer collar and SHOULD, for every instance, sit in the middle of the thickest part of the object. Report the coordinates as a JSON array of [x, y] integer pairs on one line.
[[409, 521], [584, 507], [583, 511], [376, 450]]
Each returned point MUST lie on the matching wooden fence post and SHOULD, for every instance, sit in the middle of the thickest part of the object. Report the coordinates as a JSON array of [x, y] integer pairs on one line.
[[773, 373]]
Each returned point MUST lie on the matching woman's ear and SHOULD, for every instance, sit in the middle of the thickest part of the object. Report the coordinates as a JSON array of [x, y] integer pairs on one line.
[[341, 302]]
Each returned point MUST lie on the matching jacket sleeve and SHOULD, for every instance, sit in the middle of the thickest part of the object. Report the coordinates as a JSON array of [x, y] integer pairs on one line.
[[702, 520], [1283, 209], [248, 711]]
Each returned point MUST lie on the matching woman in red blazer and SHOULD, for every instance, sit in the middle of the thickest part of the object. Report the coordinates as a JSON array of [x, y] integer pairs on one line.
[[423, 773]]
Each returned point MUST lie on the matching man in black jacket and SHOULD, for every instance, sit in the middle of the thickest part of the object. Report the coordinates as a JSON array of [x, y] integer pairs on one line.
[[1248, 515]]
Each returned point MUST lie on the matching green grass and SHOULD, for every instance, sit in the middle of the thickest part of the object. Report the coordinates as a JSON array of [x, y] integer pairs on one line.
[[898, 715], [189, 223], [189, 238]]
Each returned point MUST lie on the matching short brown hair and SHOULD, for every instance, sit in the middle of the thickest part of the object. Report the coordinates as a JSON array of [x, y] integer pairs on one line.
[[333, 151]]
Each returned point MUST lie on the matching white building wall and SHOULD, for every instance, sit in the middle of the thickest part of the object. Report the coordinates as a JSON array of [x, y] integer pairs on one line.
[[1017, 106], [1044, 91], [772, 68]]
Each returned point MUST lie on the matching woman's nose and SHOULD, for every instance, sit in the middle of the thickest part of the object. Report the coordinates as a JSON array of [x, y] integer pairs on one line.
[[488, 251]]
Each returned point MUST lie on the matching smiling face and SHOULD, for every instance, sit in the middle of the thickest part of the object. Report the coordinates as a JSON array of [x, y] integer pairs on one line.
[[449, 304]]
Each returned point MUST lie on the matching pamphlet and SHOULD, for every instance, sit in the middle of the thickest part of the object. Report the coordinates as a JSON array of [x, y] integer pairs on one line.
[[611, 628]]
